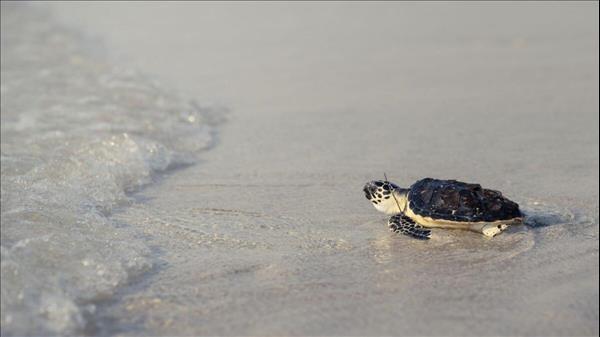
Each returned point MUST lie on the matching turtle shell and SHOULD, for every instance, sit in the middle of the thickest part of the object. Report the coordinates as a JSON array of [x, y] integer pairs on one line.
[[458, 201]]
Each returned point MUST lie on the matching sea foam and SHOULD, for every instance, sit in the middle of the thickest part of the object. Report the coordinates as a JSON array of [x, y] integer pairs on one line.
[[78, 134]]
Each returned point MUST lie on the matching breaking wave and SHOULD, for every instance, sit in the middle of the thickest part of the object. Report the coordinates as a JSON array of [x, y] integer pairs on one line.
[[78, 134]]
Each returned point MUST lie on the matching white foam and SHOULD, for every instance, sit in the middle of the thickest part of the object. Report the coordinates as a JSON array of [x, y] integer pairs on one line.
[[78, 134]]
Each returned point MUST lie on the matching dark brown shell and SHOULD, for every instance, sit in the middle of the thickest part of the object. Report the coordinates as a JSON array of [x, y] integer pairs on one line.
[[458, 201]]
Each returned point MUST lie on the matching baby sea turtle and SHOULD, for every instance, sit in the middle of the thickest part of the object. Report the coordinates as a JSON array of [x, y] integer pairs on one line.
[[442, 204]]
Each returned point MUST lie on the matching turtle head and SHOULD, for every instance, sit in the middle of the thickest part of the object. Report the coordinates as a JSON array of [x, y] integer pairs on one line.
[[385, 196]]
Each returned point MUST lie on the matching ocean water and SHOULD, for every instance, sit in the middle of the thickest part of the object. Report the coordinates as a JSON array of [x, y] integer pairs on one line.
[[78, 135]]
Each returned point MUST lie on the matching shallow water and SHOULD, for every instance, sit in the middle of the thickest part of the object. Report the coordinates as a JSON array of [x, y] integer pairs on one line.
[[271, 271], [78, 134], [270, 233]]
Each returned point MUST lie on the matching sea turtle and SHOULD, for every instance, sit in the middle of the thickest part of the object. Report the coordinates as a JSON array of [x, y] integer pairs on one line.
[[442, 204]]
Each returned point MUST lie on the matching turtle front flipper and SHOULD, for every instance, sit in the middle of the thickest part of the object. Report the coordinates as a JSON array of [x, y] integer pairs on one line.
[[402, 224]]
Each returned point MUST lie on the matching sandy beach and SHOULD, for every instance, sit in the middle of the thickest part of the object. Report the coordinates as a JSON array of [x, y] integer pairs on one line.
[[269, 232]]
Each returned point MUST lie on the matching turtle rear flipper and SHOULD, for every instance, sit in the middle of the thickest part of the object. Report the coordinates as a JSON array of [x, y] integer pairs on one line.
[[402, 224]]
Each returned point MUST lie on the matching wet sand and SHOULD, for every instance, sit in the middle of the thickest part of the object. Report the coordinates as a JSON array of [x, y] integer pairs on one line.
[[271, 235]]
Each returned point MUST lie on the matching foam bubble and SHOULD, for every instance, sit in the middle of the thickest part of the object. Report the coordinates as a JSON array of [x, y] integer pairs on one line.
[[78, 134]]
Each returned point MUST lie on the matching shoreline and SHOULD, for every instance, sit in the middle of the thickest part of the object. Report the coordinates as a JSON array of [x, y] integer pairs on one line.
[[270, 234], [65, 169]]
